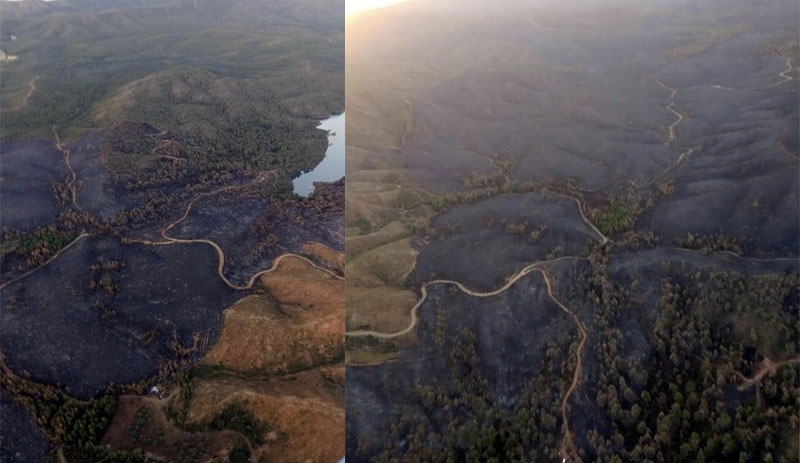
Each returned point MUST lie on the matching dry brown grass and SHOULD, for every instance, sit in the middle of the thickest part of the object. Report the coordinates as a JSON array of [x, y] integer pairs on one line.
[[369, 202], [384, 265], [304, 413], [385, 309], [376, 297], [379, 254], [325, 255], [300, 327], [358, 244], [156, 425]]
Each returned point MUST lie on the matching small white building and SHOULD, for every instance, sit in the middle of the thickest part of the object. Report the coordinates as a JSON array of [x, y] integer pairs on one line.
[[154, 391]]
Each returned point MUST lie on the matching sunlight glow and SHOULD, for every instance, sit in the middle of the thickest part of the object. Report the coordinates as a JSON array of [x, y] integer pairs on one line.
[[354, 7]]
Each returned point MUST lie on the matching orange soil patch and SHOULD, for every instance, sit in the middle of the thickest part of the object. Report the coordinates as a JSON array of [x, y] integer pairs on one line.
[[300, 327], [303, 413]]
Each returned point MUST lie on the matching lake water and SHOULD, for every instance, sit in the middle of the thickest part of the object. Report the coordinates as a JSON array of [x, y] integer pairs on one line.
[[332, 166]]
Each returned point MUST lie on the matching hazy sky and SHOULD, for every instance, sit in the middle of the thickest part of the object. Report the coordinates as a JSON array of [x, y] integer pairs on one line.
[[353, 7]]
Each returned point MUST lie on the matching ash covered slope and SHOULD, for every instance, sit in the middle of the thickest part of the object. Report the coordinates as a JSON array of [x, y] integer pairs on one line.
[[148, 152], [674, 129]]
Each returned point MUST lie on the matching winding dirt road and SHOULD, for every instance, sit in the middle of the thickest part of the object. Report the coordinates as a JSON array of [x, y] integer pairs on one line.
[[31, 89], [766, 367], [683, 156], [671, 107], [568, 445], [672, 128], [784, 75], [603, 238], [73, 176], [221, 263], [671, 136], [568, 449], [424, 295], [168, 240]]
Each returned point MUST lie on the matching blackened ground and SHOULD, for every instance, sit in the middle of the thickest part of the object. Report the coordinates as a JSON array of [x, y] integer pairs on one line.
[[481, 243], [82, 327], [512, 331], [738, 180], [21, 441], [26, 172], [97, 190], [252, 231], [695, 117]]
